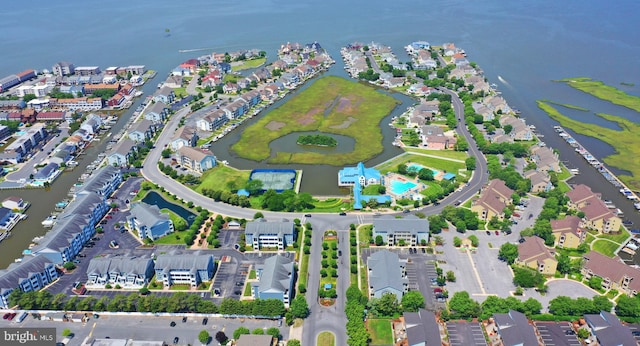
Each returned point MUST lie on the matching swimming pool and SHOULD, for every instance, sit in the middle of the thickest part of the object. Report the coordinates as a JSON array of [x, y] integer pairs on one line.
[[401, 187], [20, 133]]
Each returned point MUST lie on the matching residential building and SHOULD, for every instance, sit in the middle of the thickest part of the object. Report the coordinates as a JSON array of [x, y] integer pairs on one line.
[[89, 205], [568, 232], [76, 104], [213, 120], [540, 182], [127, 272], [422, 328], [63, 68], [615, 274], [149, 222], [198, 160], [520, 131], [597, 216], [254, 340], [493, 199], [165, 95], [87, 70], [8, 82], [47, 173], [103, 182], [91, 88], [187, 269], [579, 196], [157, 113], [387, 274], [276, 278], [608, 329], [514, 329], [184, 136], [409, 231], [359, 175], [273, 234], [534, 254], [65, 240], [545, 158], [14, 203], [31, 274], [19, 148], [121, 153], [142, 131]]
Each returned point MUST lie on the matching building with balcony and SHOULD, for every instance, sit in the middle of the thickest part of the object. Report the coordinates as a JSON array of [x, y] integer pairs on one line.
[[409, 231], [274, 234], [186, 269]]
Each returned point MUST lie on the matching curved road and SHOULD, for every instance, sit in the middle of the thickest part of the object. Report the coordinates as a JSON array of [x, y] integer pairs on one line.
[[321, 318]]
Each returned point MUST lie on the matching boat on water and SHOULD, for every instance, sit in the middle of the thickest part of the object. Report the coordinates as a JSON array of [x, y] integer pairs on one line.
[[49, 221]]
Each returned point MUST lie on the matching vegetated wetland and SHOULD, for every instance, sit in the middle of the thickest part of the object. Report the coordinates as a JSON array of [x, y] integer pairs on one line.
[[331, 105], [624, 140]]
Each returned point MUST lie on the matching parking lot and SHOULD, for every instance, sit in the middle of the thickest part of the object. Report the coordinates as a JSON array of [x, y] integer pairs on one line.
[[465, 333], [557, 334], [229, 238], [635, 330]]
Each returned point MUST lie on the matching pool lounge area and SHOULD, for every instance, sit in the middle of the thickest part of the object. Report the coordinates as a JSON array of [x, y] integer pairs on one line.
[[400, 187]]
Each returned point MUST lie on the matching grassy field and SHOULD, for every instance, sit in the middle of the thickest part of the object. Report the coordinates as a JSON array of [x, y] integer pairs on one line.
[[618, 238], [626, 142], [446, 154], [223, 178], [604, 247], [604, 92], [173, 238], [330, 205], [329, 105], [431, 162], [380, 331], [326, 339], [248, 64], [567, 105], [172, 216], [180, 92]]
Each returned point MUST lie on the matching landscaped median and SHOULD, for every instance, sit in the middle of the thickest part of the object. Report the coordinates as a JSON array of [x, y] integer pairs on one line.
[[330, 105]]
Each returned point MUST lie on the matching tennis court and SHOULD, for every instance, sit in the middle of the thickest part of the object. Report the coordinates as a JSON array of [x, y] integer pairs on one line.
[[275, 179]]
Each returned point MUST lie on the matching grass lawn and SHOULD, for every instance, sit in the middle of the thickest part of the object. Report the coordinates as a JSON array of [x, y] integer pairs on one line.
[[175, 218], [363, 235], [326, 339], [446, 154], [625, 141], [364, 279], [330, 205], [612, 294], [173, 238], [432, 190], [222, 177], [180, 287], [618, 238], [371, 190], [604, 92], [247, 290], [564, 187], [604, 247], [380, 331], [330, 105], [431, 162], [252, 274], [247, 64], [180, 92], [565, 174]]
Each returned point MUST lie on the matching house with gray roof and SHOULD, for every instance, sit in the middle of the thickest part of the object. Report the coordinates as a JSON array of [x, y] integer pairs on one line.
[[514, 329], [198, 160], [608, 329], [121, 153], [387, 274], [89, 205], [128, 272], [421, 328], [165, 95], [157, 113], [410, 230], [149, 222], [31, 274], [184, 136], [142, 131], [275, 279], [103, 181], [91, 124], [188, 269], [273, 234], [47, 173], [65, 240]]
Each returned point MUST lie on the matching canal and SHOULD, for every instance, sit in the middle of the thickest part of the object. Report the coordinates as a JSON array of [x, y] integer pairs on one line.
[[43, 200]]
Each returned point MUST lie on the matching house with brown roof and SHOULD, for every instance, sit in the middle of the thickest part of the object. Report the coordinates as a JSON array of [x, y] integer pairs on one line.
[[596, 214], [614, 273], [568, 232], [520, 130], [540, 182], [493, 199], [185, 135], [534, 254], [546, 159]]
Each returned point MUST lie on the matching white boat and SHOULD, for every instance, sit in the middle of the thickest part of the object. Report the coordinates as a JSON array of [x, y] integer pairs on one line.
[[49, 221]]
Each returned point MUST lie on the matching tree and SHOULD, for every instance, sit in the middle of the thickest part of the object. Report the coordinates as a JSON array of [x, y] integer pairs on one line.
[[166, 153], [402, 168], [254, 186], [463, 307], [451, 276], [425, 174], [258, 215], [221, 337], [628, 306], [379, 240], [526, 277], [457, 242], [258, 331], [508, 253], [531, 307], [240, 331], [595, 282], [275, 332], [602, 303], [66, 332], [387, 305], [412, 301], [564, 264], [299, 307], [203, 337], [583, 333], [474, 240], [470, 162], [69, 266], [293, 342]]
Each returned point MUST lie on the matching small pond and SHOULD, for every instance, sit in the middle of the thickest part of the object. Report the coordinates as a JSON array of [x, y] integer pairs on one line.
[[287, 144], [154, 198]]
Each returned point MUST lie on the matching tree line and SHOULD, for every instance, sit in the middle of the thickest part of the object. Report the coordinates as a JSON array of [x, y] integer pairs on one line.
[[319, 140]]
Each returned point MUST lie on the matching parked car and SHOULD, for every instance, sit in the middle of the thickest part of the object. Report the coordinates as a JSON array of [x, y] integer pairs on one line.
[[184, 319], [175, 340], [497, 232], [457, 203], [307, 215], [172, 324], [205, 321], [343, 214], [488, 232]]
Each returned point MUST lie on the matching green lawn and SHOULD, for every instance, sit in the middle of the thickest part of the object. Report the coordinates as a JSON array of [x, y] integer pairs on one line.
[[604, 247], [329, 105], [380, 331], [326, 339], [446, 154], [431, 162], [330, 205], [247, 64], [175, 218], [173, 238], [223, 178], [363, 235], [247, 290], [180, 92], [252, 274], [618, 238]]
